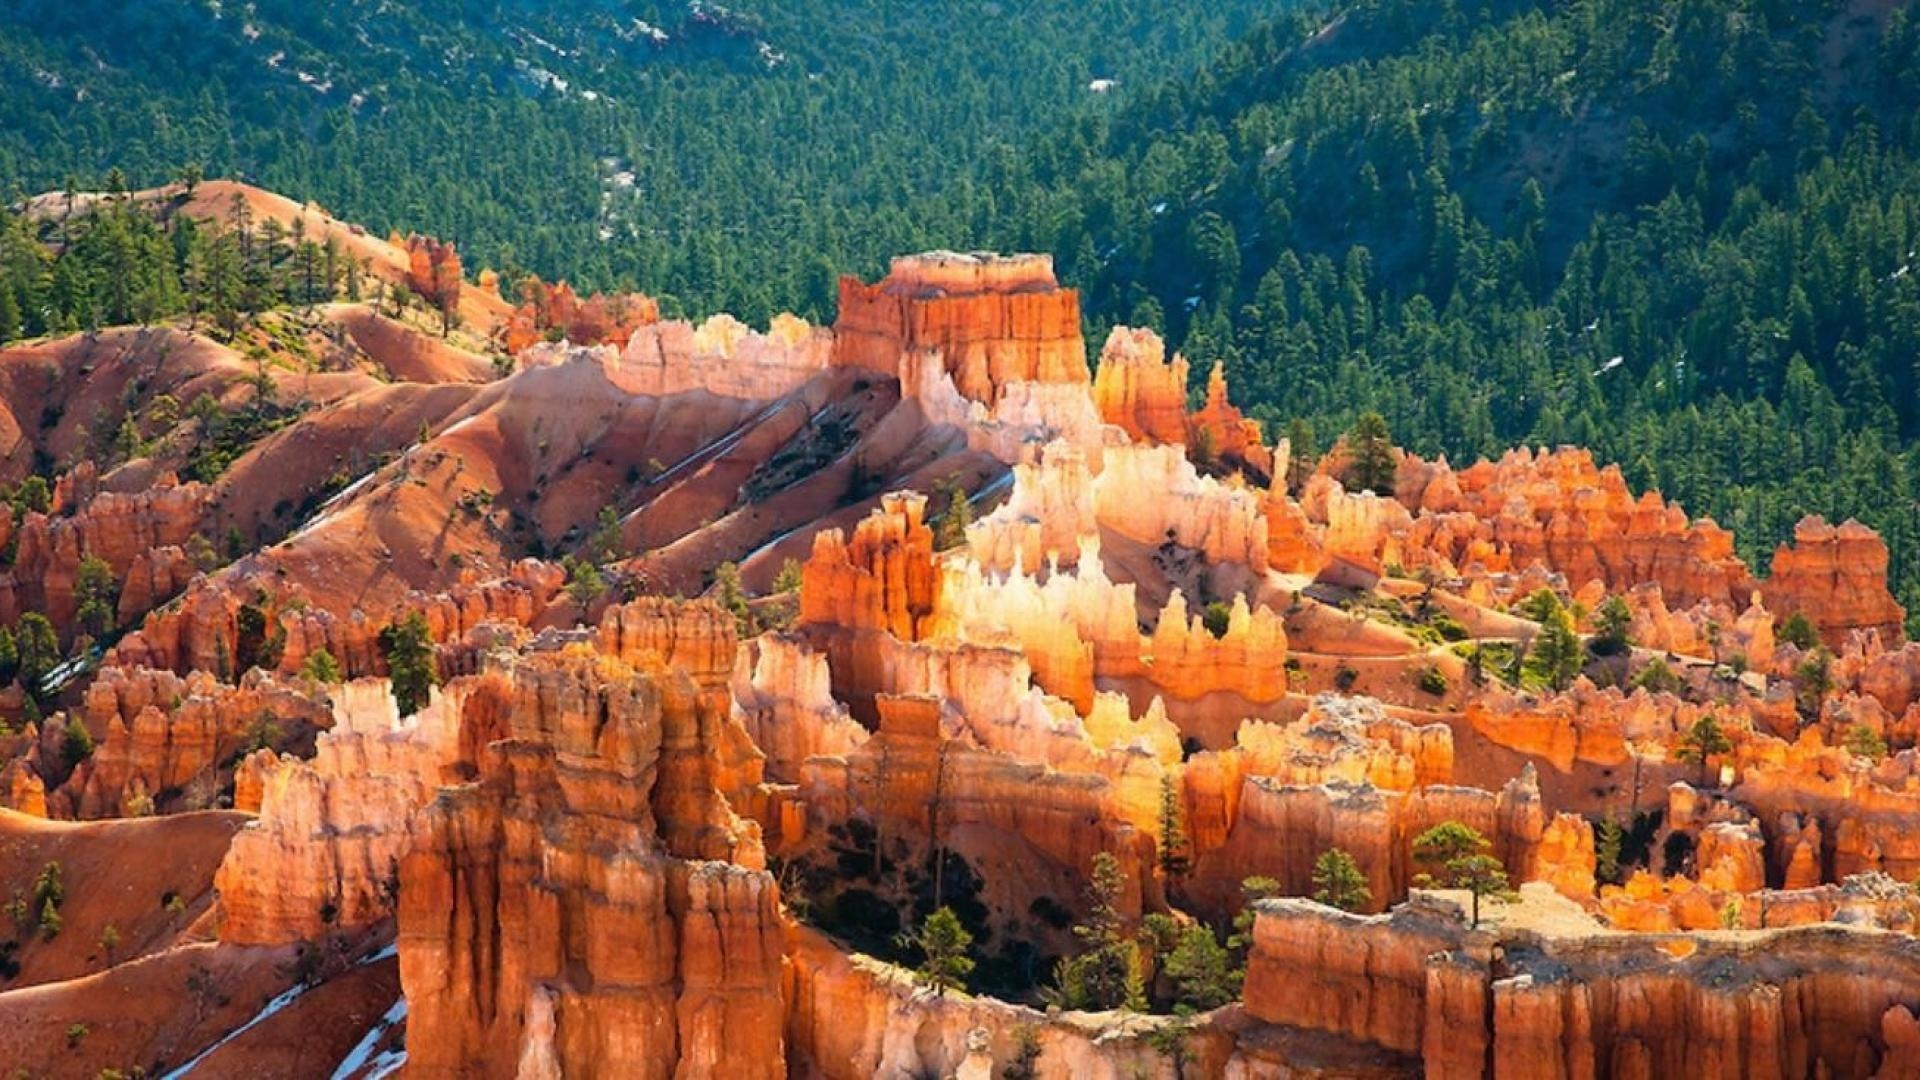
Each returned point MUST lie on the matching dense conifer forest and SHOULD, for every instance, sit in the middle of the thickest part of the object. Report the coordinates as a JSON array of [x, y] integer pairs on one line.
[[1682, 234]]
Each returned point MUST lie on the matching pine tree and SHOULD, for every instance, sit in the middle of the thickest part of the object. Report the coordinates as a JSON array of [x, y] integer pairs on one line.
[[1612, 622], [1457, 858], [1202, 970], [1797, 630], [1175, 856], [1865, 742], [1108, 974], [1701, 743], [321, 667], [96, 595], [1338, 882], [730, 594], [1555, 657], [9, 314], [943, 944], [39, 649], [1609, 837], [411, 666], [1370, 461]]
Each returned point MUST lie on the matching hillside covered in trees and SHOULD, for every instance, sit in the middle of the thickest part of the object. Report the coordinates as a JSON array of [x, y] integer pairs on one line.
[[1683, 235], [734, 157]]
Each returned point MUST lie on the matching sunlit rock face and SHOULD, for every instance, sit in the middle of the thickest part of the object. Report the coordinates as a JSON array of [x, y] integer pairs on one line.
[[591, 902], [993, 321], [1837, 577]]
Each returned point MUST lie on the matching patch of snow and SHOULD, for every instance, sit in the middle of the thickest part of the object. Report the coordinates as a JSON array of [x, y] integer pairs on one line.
[[545, 44], [1610, 365], [1159, 208], [388, 1063], [650, 32], [275, 60], [272, 1007], [1101, 86], [362, 1052], [1900, 273]]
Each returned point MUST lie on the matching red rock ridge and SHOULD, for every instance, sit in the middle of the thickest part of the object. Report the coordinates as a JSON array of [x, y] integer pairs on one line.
[[993, 320]]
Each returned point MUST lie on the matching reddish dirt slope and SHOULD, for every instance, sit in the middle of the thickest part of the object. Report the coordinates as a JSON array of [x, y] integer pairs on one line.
[[111, 877]]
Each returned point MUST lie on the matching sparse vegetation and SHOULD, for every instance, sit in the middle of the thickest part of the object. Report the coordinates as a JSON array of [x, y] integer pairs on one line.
[[411, 666], [943, 944], [1108, 973], [1455, 856], [1338, 881], [321, 667], [1702, 743]]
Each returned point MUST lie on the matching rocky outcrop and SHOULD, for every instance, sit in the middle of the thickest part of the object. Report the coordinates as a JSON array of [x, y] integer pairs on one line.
[[1278, 830], [1546, 997], [851, 1018], [1219, 519], [883, 579], [1558, 509], [325, 851], [547, 310], [591, 903], [139, 536], [993, 322], [1140, 391], [166, 743], [1837, 578], [202, 631], [1222, 435]]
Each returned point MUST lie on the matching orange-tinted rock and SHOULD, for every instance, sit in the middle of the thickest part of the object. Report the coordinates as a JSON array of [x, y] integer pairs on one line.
[[201, 631], [598, 320], [1280, 830], [1558, 509], [1295, 543], [853, 1017], [556, 915], [164, 743], [1137, 389], [1566, 857], [1221, 432], [992, 320], [1046, 520], [124, 530], [881, 579], [1837, 578], [331, 831], [1220, 520], [433, 270], [1578, 1002]]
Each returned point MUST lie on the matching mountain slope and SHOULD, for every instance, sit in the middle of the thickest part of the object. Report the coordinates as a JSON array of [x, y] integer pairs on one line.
[[1680, 235], [689, 146]]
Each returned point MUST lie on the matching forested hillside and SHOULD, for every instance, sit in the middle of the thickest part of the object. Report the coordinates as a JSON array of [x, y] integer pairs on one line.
[[730, 157], [1681, 234]]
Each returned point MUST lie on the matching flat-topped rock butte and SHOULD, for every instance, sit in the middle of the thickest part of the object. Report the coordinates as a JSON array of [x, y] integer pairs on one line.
[[923, 609]]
